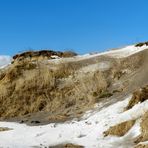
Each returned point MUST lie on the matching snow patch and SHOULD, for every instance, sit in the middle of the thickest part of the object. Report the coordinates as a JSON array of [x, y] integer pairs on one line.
[[127, 51], [87, 132], [119, 53]]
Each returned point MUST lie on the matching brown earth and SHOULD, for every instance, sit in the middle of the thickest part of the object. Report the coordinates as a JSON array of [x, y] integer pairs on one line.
[[138, 97], [141, 146], [2, 129], [69, 145], [144, 129], [42, 55], [120, 129], [31, 88]]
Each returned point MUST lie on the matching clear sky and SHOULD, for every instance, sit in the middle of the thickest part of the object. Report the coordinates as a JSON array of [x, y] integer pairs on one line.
[[81, 25]]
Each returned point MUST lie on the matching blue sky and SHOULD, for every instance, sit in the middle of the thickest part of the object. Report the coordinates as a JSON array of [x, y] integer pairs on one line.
[[81, 25]]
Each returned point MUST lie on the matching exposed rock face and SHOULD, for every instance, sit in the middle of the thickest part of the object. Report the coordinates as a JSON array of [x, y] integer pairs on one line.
[[2, 129], [141, 146]]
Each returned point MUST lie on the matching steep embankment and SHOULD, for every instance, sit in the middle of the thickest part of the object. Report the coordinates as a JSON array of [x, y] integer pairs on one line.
[[94, 91], [35, 88]]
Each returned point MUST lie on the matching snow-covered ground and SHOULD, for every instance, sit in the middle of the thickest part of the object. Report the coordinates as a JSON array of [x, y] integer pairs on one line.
[[118, 53], [126, 51], [4, 60], [87, 132]]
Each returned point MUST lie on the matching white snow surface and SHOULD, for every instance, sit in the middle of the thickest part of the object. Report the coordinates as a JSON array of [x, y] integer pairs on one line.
[[87, 132], [4, 60], [118, 53], [127, 51]]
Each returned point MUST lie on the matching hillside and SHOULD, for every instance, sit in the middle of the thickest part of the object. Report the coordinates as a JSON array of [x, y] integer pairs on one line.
[[61, 99]]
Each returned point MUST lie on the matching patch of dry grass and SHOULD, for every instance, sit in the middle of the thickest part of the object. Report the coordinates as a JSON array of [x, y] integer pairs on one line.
[[120, 129], [2, 129], [144, 129], [33, 87], [29, 87], [138, 96], [141, 146], [32, 84], [41, 55], [69, 145]]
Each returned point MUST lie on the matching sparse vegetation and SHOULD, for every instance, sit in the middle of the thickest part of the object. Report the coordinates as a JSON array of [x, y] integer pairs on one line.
[[28, 87], [141, 44], [141, 146], [69, 145], [31, 85], [120, 129], [36, 91], [105, 94], [116, 91], [41, 54], [138, 96], [2, 129], [144, 129]]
